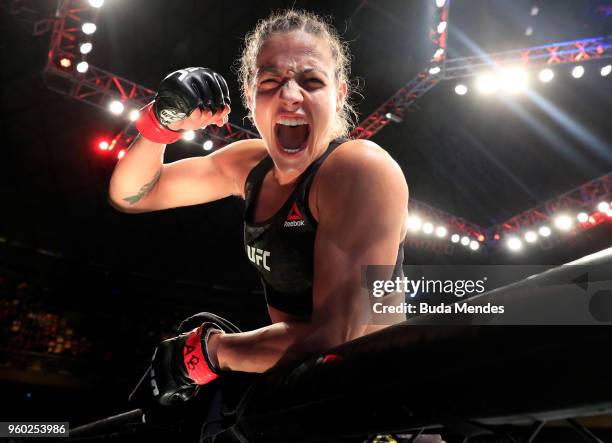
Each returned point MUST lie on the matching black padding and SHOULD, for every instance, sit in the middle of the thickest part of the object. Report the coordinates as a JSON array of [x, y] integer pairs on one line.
[[202, 317]]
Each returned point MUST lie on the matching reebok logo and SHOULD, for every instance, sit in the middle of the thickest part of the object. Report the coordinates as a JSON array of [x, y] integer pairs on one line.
[[294, 218]]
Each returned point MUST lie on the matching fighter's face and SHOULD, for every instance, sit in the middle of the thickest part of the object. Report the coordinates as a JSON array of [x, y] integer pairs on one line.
[[295, 99]]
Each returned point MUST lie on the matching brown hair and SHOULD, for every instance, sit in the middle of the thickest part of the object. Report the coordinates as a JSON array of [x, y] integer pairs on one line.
[[294, 20]]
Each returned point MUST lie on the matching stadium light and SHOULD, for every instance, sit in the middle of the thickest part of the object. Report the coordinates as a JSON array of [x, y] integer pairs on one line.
[[116, 107], [461, 89], [208, 145], [544, 231], [487, 84], [82, 67], [428, 228], [578, 71], [582, 217], [85, 48], [514, 244], [414, 223], [563, 222], [88, 28], [546, 75]]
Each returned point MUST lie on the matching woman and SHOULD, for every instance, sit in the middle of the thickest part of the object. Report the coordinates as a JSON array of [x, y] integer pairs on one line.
[[318, 207]]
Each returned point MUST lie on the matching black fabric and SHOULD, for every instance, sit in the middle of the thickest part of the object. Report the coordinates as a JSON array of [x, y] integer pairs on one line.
[[282, 247]]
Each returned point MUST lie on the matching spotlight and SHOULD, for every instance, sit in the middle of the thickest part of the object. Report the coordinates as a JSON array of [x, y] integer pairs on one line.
[[474, 245], [513, 80], [434, 70], [603, 207], [103, 145], [441, 27], [605, 71], [208, 145], [120, 154], [481, 237], [428, 228], [440, 3], [578, 72], [461, 89], [465, 240], [116, 107], [88, 28], [546, 75], [188, 135], [563, 222], [455, 238], [609, 213], [514, 244], [544, 231], [441, 231], [134, 114], [530, 236], [65, 62], [82, 67], [487, 84], [438, 53], [85, 48], [534, 10], [393, 117], [583, 217], [96, 3], [529, 31], [414, 223]]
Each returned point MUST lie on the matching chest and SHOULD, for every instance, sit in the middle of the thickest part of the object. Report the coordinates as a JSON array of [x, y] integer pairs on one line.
[[272, 197]]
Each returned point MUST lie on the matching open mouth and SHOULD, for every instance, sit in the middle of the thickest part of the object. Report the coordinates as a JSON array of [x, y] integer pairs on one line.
[[292, 137]]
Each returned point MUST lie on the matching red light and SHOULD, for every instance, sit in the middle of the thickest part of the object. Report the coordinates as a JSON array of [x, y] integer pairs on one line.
[[496, 237], [103, 145], [65, 62], [481, 237], [120, 154]]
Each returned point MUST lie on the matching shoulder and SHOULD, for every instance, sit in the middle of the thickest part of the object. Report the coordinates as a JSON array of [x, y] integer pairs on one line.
[[361, 161], [238, 159]]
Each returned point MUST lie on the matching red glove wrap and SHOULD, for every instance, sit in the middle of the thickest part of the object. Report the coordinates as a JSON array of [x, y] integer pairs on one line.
[[198, 367], [152, 129]]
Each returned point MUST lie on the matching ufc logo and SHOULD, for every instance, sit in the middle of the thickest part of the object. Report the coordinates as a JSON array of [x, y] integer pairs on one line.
[[258, 256]]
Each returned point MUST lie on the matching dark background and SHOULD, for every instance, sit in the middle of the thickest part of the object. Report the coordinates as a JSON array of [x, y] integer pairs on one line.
[[109, 274]]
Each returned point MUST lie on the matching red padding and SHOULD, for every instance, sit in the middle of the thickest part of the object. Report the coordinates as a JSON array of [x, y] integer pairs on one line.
[[197, 366], [152, 129]]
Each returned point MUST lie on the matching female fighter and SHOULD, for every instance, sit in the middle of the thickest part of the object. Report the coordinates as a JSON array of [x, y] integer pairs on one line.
[[318, 206]]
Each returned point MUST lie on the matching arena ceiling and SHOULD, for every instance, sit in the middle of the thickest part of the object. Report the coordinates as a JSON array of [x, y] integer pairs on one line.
[[484, 159]]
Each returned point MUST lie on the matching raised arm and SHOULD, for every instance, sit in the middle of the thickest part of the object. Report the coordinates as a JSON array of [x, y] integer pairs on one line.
[[188, 99]]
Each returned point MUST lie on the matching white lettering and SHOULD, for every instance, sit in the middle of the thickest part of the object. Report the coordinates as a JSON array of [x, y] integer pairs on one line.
[[258, 256]]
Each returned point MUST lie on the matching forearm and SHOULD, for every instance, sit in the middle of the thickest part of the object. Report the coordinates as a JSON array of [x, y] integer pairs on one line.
[[137, 173], [261, 349]]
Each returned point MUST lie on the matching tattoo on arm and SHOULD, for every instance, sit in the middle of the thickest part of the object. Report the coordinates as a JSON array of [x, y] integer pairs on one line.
[[144, 190]]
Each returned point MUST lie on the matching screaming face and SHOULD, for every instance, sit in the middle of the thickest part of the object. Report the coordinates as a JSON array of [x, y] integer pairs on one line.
[[295, 100]]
